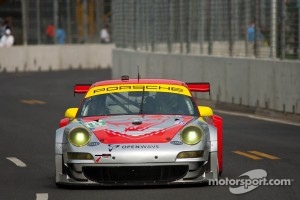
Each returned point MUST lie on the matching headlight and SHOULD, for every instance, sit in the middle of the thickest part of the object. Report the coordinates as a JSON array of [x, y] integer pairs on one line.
[[79, 136], [191, 135]]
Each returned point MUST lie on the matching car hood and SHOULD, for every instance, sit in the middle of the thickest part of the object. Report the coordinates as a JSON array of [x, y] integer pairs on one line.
[[136, 128]]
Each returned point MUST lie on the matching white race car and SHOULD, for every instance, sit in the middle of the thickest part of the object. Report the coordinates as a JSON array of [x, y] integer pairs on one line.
[[138, 132]]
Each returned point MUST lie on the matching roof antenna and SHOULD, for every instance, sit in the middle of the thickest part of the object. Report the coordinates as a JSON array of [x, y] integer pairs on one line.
[[138, 69]]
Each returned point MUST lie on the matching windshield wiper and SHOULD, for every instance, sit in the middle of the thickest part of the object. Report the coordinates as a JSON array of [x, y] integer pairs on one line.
[[142, 102]]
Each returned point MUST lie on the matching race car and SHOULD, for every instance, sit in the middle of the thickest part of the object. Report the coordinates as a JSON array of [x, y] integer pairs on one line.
[[138, 132]]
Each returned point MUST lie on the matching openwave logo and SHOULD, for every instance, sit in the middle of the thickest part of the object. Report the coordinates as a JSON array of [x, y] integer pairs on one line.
[[249, 181]]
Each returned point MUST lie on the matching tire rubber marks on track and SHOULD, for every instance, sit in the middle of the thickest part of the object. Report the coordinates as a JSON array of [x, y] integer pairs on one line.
[[33, 101], [256, 155], [16, 161]]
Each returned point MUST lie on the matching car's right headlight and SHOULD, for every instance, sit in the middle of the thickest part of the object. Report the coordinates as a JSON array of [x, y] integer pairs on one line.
[[79, 136], [191, 135]]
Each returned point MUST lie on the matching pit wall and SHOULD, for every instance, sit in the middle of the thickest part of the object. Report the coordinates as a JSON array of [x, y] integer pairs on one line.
[[55, 57], [267, 84]]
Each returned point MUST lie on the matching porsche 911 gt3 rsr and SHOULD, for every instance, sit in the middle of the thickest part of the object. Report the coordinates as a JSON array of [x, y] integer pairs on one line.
[[138, 132]]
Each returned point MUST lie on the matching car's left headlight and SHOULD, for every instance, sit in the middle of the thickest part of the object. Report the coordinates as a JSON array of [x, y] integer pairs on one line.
[[79, 136], [191, 135]]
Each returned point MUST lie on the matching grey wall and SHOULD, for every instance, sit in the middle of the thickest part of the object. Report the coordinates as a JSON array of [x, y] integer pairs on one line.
[[252, 82], [270, 84], [55, 57]]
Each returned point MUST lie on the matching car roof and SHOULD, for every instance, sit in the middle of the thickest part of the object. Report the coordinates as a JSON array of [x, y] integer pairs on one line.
[[139, 81]]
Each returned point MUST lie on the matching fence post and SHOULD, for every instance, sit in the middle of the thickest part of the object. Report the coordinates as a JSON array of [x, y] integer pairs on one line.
[[38, 22], [210, 27], [146, 24], [69, 32], [152, 26], [24, 21], [134, 25], [99, 14], [181, 32], [171, 25], [85, 21], [230, 27], [124, 25], [282, 32], [55, 19], [188, 23], [273, 32], [247, 22], [236, 29], [256, 27], [298, 4], [201, 25]]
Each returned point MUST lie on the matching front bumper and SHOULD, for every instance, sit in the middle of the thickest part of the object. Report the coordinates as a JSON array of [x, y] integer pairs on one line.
[[131, 174]]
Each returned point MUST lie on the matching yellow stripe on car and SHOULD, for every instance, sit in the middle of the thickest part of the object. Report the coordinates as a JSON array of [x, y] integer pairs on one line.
[[177, 89]]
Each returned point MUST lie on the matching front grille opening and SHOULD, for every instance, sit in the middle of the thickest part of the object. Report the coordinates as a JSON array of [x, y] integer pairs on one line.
[[133, 174]]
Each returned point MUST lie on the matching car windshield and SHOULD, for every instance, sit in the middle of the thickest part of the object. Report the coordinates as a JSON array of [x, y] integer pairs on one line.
[[130, 103]]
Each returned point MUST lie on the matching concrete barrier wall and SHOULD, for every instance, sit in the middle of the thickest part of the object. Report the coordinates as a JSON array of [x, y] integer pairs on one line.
[[270, 84], [55, 57], [259, 83]]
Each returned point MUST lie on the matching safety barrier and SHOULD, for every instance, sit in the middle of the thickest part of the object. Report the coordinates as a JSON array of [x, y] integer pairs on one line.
[[55, 57], [268, 84]]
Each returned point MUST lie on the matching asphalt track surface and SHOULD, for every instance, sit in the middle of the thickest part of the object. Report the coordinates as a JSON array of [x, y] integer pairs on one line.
[[33, 103]]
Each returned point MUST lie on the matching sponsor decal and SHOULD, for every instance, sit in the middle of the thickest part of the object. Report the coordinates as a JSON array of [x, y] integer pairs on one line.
[[176, 142], [95, 124], [102, 156], [138, 87], [98, 159], [178, 122], [112, 147], [92, 144], [155, 129], [140, 146]]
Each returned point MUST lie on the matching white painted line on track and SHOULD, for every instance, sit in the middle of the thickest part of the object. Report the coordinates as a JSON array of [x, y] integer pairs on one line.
[[258, 117], [41, 196], [18, 162]]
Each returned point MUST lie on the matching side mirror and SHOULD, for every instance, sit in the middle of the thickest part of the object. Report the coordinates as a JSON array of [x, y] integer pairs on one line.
[[205, 111], [71, 113]]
